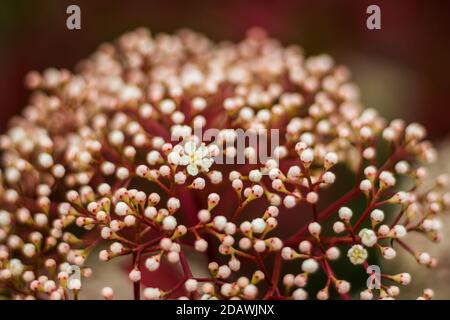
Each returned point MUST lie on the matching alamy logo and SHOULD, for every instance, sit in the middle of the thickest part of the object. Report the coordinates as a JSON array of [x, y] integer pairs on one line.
[[373, 22], [73, 22], [374, 279], [74, 273], [236, 146]]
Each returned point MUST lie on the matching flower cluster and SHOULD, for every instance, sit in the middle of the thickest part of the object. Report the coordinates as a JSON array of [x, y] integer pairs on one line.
[[106, 162]]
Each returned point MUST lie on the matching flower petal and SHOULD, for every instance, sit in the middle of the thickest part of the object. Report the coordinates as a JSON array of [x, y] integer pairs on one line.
[[201, 151], [205, 163], [192, 169], [189, 147], [184, 160]]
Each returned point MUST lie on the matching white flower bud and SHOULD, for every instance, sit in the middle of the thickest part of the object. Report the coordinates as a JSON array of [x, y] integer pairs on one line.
[[152, 263], [289, 201], [307, 157], [219, 222], [368, 237], [299, 294], [305, 247], [74, 284], [332, 253], [338, 227], [399, 231], [331, 159], [258, 225], [345, 214], [169, 223], [314, 229], [152, 293], [365, 185], [191, 285], [389, 253], [310, 266], [343, 286], [329, 177], [201, 245], [135, 275], [312, 197], [377, 215], [107, 293], [255, 176]]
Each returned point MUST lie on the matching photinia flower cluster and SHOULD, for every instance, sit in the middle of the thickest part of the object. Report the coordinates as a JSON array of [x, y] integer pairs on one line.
[[105, 162]]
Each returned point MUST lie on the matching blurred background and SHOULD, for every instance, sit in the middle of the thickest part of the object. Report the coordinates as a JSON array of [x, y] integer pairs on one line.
[[402, 69]]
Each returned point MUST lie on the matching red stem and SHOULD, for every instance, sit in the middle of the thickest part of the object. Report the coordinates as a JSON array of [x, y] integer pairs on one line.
[[137, 284]]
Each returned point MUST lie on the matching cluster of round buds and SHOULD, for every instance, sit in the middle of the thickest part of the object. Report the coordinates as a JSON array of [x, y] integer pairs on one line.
[[243, 288], [111, 158]]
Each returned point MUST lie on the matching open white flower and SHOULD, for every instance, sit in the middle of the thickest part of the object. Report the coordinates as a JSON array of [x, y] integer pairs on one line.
[[357, 254], [197, 159]]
